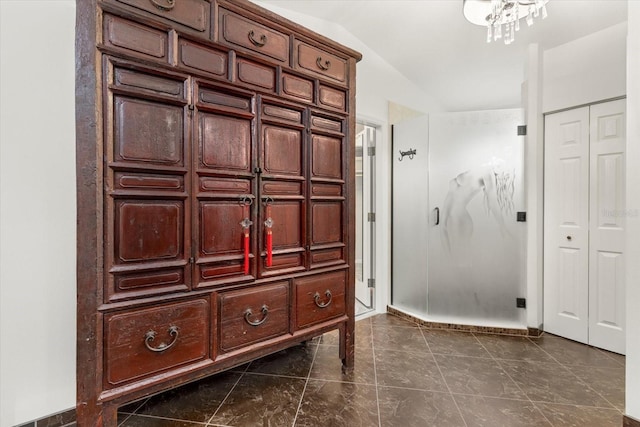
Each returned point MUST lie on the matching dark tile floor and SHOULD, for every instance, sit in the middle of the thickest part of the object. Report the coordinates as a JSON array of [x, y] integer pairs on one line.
[[404, 376]]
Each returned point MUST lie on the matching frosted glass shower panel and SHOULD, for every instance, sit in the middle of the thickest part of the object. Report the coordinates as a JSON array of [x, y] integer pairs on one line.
[[475, 189], [410, 215]]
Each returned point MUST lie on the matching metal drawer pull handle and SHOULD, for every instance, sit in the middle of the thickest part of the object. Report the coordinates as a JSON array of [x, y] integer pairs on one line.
[[325, 66], [170, 4], [259, 43], [151, 335], [249, 313], [316, 299]]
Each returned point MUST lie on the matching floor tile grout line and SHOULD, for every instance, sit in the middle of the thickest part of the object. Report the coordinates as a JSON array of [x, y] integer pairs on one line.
[[135, 410], [514, 381], [566, 367], [210, 422], [443, 378], [375, 376], [304, 389], [155, 417]]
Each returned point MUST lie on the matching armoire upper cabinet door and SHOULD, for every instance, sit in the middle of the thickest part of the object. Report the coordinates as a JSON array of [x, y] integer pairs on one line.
[[225, 201], [283, 209], [327, 206], [147, 215]]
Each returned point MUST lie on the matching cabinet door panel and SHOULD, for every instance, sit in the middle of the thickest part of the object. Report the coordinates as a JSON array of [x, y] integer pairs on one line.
[[326, 157], [326, 222], [147, 131], [225, 142], [282, 151]]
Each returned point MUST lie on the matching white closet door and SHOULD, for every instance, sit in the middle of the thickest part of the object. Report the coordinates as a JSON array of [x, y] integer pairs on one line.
[[566, 224], [607, 228]]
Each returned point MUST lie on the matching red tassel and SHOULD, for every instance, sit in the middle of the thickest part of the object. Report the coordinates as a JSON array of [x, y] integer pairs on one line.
[[246, 251], [269, 247]]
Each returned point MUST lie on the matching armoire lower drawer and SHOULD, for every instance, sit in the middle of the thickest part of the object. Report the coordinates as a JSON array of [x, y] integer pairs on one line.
[[319, 298], [251, 315], [147, 341]]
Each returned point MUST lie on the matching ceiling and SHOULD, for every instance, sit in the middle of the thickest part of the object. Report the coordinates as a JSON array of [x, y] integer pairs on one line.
[[434, 46]]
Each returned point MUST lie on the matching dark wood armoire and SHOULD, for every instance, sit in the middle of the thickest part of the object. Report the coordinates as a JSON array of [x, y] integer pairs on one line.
[[215, 181]]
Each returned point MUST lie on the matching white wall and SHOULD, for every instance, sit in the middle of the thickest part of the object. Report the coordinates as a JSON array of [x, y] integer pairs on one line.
[[586, 70], [37, 209], [633, 206]]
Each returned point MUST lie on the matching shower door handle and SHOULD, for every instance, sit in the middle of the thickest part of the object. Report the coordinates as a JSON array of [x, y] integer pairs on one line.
[[437, 215]]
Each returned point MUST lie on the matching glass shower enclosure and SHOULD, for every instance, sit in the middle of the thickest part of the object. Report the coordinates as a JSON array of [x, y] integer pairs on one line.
[[458, 249]]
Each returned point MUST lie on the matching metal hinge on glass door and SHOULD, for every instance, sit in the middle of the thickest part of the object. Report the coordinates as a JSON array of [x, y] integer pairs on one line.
[[371, 283], [371, 217], [371, 151]]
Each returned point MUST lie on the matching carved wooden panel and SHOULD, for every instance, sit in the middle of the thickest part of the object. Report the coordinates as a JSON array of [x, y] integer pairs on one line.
[[256, 74], [282, 151], [143, 342], [224, 142], [202, 58], [326, 157], [148, 131], [333, 98], [297, 88], [326, 222], [148, 230]]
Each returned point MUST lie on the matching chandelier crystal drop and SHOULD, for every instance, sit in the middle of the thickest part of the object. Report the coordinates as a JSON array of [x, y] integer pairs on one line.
[[502, 17]]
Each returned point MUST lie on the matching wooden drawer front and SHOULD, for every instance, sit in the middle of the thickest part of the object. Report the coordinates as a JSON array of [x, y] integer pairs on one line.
[[243, 32], [194, 14], [320, 62], [144, 342], [251, 315], [319, 298], [135, 38], [332, 98]]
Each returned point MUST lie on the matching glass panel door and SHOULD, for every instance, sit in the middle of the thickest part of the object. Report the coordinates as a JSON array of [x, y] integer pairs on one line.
[[365, 218]]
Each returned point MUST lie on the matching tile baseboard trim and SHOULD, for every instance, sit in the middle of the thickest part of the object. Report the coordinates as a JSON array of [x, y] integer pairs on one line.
[[60, 419], [627, 421], [528, 332]]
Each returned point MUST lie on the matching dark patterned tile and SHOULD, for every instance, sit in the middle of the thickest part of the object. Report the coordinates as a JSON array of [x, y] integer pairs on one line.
[[570, 352], [338, 404], [328, 366], [570, 415], [197, 401], [401, 339], [408, 370], [405, 407], [480, 411], [261, 400], [513, 348], [294, 362], [58, 420], [608, 382], [452, 342], [552, 383], [390, 320], [470, 375], [362, 336], [144, 421]]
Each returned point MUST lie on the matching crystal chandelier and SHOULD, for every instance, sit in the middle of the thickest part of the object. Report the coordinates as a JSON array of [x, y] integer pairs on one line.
[[502, 17]]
